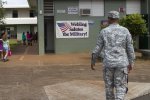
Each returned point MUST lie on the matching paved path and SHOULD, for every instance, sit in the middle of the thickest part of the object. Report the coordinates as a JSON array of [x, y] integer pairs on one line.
[[20, 80], [90, 90], [25, 49], [33, 77]]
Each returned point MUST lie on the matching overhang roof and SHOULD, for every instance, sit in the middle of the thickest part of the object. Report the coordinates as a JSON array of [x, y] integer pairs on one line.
[[32, 3], [12, 4], [16, 6]]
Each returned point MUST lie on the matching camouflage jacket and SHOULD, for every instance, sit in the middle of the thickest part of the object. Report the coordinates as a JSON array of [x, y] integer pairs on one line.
[[117, 45]]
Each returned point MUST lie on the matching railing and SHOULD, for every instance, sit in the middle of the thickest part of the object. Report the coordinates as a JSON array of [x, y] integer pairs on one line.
[[13, 21]]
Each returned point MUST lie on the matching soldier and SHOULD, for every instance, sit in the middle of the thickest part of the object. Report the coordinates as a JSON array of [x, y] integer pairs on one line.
[[118, 58]]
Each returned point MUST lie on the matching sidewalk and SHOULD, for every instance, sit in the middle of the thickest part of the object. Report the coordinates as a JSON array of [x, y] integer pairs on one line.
[[23, 54], [90, 90]]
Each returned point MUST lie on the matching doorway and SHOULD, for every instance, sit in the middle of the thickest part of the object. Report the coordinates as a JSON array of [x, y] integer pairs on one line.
[[49, 34]]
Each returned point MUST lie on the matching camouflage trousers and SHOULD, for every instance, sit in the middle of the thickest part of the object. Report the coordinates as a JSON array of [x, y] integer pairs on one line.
[[115, 83]]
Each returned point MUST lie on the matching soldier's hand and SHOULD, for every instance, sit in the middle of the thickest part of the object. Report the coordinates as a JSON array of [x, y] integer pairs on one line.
[[92, 66], [93, 60], [129, 68]]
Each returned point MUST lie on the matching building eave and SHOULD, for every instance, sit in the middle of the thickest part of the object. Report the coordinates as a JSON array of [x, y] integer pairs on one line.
[[16, 7], [32, 3]]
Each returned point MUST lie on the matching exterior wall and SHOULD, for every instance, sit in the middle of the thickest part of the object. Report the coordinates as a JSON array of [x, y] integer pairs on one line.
[[77, 45], [144, 6], [23, 13], [114, 5], [33, 28], [81, 45], [133, 6], [25, 28], [21, 29], [8, 13], [96, 6]]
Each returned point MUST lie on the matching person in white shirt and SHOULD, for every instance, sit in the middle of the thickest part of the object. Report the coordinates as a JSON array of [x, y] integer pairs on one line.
[[6, 47]]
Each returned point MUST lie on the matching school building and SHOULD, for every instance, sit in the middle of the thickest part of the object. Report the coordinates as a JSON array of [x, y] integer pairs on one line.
[[19, 19], [69, 26]]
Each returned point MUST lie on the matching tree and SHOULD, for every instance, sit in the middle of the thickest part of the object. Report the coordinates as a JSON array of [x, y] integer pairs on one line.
[[135, 23], [1, 12]]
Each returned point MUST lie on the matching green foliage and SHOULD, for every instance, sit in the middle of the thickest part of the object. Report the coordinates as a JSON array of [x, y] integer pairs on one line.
[[1, 12], [103, 26], [13, 43], [135, 23]]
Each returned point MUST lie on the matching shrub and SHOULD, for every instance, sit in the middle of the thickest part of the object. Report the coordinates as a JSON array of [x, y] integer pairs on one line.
[[135, 23], [1, 12]]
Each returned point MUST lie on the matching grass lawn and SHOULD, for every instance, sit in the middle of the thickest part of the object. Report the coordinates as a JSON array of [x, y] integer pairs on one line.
[[13, 43]]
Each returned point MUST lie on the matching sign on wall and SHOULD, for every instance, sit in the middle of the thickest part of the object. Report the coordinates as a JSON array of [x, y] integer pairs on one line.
[[72, 29], [73, 10], [61, 11]]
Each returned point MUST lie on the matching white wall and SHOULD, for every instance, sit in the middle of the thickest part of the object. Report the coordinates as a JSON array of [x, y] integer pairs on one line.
[[21, 29], [96, 6], [85, 4], [35, 29], [23, 13], [133, 6], [8, 13]]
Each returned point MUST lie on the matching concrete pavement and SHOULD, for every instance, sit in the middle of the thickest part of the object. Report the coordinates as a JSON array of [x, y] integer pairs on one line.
[[90, 90], [62, 77], [44, 78]]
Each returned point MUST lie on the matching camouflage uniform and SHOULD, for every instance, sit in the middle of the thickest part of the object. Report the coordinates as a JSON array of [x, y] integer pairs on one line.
[[118, 53]]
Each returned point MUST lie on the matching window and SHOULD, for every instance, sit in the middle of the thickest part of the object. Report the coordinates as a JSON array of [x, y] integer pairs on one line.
[[32, 13], [133, 6], [96, 6], [15, 14]]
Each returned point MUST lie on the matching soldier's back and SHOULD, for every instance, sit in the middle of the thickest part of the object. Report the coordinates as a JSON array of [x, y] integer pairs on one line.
[[115, 45]]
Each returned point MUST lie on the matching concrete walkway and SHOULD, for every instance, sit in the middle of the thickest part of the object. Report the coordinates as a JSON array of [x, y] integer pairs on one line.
[[90, 90], [62, 77]]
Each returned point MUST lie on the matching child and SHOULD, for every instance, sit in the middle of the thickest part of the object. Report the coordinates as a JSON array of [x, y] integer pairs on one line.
[[6, 47], [1, 47]]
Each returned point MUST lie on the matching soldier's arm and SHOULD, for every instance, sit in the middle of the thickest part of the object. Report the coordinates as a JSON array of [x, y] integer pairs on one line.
[[96, 51], [130, 49]]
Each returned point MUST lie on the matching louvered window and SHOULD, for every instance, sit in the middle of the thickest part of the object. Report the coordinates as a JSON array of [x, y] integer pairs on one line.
[[48, 8]]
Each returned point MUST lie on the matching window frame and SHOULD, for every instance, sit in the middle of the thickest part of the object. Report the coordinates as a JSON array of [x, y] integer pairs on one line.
[[15, 13]]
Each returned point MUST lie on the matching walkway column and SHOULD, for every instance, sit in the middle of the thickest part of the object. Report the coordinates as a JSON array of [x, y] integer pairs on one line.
[[41, 26]]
